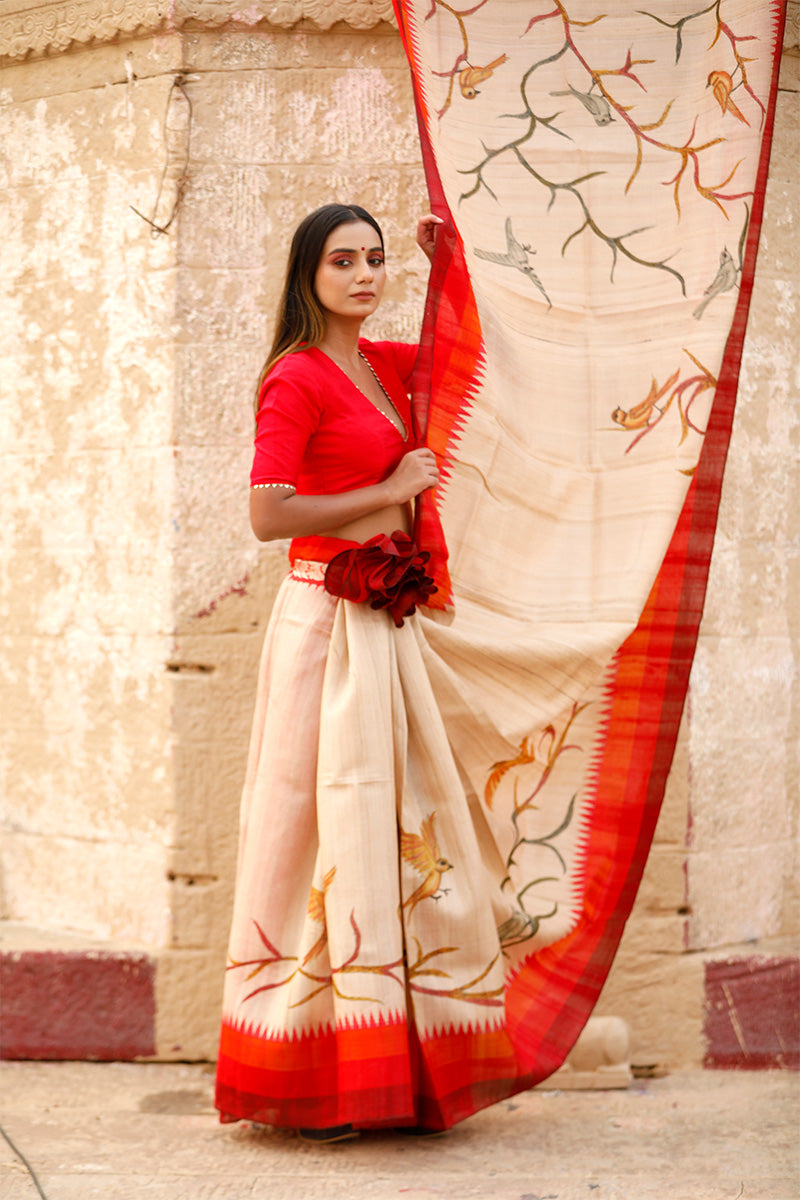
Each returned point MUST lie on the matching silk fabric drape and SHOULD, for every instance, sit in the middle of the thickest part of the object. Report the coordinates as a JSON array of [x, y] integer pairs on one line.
[[445, 825]]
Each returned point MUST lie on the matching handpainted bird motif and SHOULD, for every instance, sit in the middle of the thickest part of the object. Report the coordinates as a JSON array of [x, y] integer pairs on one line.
[[316, 910], [519, 927], [639, 416], [424, 855], [722, 85], [525, 755], [723, 281], [597, 106], [470, 77], [516, 256]]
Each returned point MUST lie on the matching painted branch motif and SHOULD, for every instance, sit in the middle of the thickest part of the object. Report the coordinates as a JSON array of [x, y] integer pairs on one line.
[[545, 754], [402, 971], [593, 87], [725, 33], [422, 852]]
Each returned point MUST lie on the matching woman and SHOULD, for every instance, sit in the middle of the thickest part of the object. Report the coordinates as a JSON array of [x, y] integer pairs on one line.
[[399, 870], [317, 942], [335, 279]]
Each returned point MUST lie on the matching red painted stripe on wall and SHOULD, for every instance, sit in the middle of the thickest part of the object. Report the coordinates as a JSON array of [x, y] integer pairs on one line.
[[77, 1005], [752, 1013]]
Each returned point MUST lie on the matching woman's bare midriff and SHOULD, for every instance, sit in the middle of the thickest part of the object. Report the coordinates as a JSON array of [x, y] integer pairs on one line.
[[383, 520]]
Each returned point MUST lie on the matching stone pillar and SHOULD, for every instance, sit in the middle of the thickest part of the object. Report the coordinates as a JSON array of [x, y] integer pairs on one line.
[[136, 594]]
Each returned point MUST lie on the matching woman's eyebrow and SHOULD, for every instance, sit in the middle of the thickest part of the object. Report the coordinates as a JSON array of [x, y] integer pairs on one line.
[[352, 250]]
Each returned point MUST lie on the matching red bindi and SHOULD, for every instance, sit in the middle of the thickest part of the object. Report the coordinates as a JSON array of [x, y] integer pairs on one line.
[[363, 247]]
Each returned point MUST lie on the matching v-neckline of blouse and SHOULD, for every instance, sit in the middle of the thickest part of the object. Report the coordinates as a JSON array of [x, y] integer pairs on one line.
[[402, 433]]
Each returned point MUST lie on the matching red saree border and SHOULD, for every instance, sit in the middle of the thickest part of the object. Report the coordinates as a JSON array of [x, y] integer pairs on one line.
[[450, 360], [332, 1076], [315, 1079]]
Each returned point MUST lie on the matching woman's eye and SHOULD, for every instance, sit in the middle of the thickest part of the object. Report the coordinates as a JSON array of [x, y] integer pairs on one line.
[[342, 262], [376, 262]]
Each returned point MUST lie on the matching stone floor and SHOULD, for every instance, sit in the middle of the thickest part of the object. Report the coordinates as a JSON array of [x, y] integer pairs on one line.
[[127, 1131]]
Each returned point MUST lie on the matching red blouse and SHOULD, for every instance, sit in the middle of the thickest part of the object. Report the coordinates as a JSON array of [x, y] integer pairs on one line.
[[317, 431]]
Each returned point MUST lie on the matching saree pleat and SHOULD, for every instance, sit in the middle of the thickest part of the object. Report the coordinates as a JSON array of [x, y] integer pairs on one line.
[[357, 947], [444, 825]]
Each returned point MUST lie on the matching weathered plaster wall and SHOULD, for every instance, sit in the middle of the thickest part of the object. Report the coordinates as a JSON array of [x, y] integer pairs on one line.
[[87, 464], [136, 597], [137, 594]]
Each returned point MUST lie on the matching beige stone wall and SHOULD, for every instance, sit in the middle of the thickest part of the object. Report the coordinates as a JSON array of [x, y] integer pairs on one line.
[[135, 595], [88, 363]]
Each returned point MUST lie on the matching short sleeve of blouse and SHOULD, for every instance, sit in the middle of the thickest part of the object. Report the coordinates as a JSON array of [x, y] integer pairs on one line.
[[288, 413]]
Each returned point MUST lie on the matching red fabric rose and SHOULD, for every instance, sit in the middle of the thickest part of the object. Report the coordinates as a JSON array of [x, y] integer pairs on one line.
[[386, 572]]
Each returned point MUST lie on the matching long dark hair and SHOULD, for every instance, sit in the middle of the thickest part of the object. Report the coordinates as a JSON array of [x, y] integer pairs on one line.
[[301, 320]]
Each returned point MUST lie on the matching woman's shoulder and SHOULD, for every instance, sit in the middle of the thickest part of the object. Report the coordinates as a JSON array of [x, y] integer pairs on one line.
[[295, 383], [298, 365], [301, 370]]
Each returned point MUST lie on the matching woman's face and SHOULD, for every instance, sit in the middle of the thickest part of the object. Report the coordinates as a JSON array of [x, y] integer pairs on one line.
[[350, 276]]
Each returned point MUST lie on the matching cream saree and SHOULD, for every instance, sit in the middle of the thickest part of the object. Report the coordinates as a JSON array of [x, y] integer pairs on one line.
[[444, 825]]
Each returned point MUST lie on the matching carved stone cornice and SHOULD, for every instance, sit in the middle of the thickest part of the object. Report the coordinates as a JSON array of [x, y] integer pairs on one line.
[[51, 26]]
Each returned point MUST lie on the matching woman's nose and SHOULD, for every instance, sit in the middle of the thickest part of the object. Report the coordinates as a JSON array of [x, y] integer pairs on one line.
[[364, 269]]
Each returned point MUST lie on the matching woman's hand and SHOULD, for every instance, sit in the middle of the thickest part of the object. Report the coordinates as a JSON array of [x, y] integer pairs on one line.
[[415, 472], [427, 229]]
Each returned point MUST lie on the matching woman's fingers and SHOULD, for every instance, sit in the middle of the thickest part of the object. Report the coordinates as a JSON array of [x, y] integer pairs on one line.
[[415, 472], [426, 468], [431, 467], [427, 229]]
